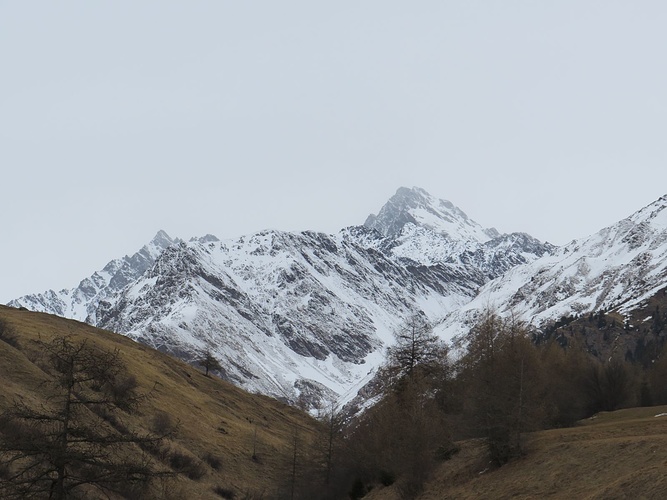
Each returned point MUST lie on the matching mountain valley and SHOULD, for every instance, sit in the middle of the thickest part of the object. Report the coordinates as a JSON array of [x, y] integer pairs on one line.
[[307, 316]]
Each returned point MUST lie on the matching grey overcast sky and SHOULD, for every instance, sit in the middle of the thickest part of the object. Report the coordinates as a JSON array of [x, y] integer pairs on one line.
[[120, 118]]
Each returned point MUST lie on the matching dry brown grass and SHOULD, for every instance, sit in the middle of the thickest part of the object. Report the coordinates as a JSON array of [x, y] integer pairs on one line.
[[614, 455], [215, 418]]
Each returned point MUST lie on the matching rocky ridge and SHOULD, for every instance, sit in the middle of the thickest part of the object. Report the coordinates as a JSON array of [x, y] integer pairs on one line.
[[298, 315], [618, 268]]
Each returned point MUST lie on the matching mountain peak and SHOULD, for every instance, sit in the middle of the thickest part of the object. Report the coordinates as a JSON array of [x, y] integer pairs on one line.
[[416, 206], [162, 240]]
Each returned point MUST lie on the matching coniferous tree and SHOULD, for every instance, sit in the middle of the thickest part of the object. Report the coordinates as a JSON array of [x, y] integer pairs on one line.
[[77, 443]]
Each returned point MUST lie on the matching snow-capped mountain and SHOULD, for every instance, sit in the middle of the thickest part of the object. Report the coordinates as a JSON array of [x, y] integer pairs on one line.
[[418, 208], [81, 302], [617, 268], [280, 310], [298, 314], [419, 228]]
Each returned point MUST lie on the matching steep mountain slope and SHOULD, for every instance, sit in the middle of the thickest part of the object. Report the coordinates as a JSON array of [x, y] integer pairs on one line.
[[238, 442], [81, 302], [617, 268], [283, 311], [303, 315]]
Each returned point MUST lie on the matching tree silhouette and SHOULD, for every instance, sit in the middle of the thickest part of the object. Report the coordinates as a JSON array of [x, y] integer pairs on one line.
[[76, 443], [209, 361], [416, 346], [502, 375]]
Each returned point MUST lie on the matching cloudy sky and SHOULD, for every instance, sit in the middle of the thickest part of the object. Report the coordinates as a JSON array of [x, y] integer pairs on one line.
[[121, 118]]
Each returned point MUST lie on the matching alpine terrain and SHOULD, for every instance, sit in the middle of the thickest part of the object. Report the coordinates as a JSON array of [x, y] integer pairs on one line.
[[617, 269], [307, 316], [301, 316]]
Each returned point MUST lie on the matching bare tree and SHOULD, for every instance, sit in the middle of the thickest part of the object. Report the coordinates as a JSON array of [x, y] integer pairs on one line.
[[609, 385], [77, 442], [503, 380], [416, 346], [209, 361], [399, 436], [333, 418]]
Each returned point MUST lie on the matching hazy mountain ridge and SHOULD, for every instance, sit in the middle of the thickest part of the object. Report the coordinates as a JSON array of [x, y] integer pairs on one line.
[[278, 306], [81, 302], [291, 313], [417, 207], [618, 267], [419, 228]]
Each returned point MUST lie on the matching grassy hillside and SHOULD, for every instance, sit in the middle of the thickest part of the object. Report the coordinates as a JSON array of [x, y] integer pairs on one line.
[[219, 425], [620, 454], [616, 455]]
